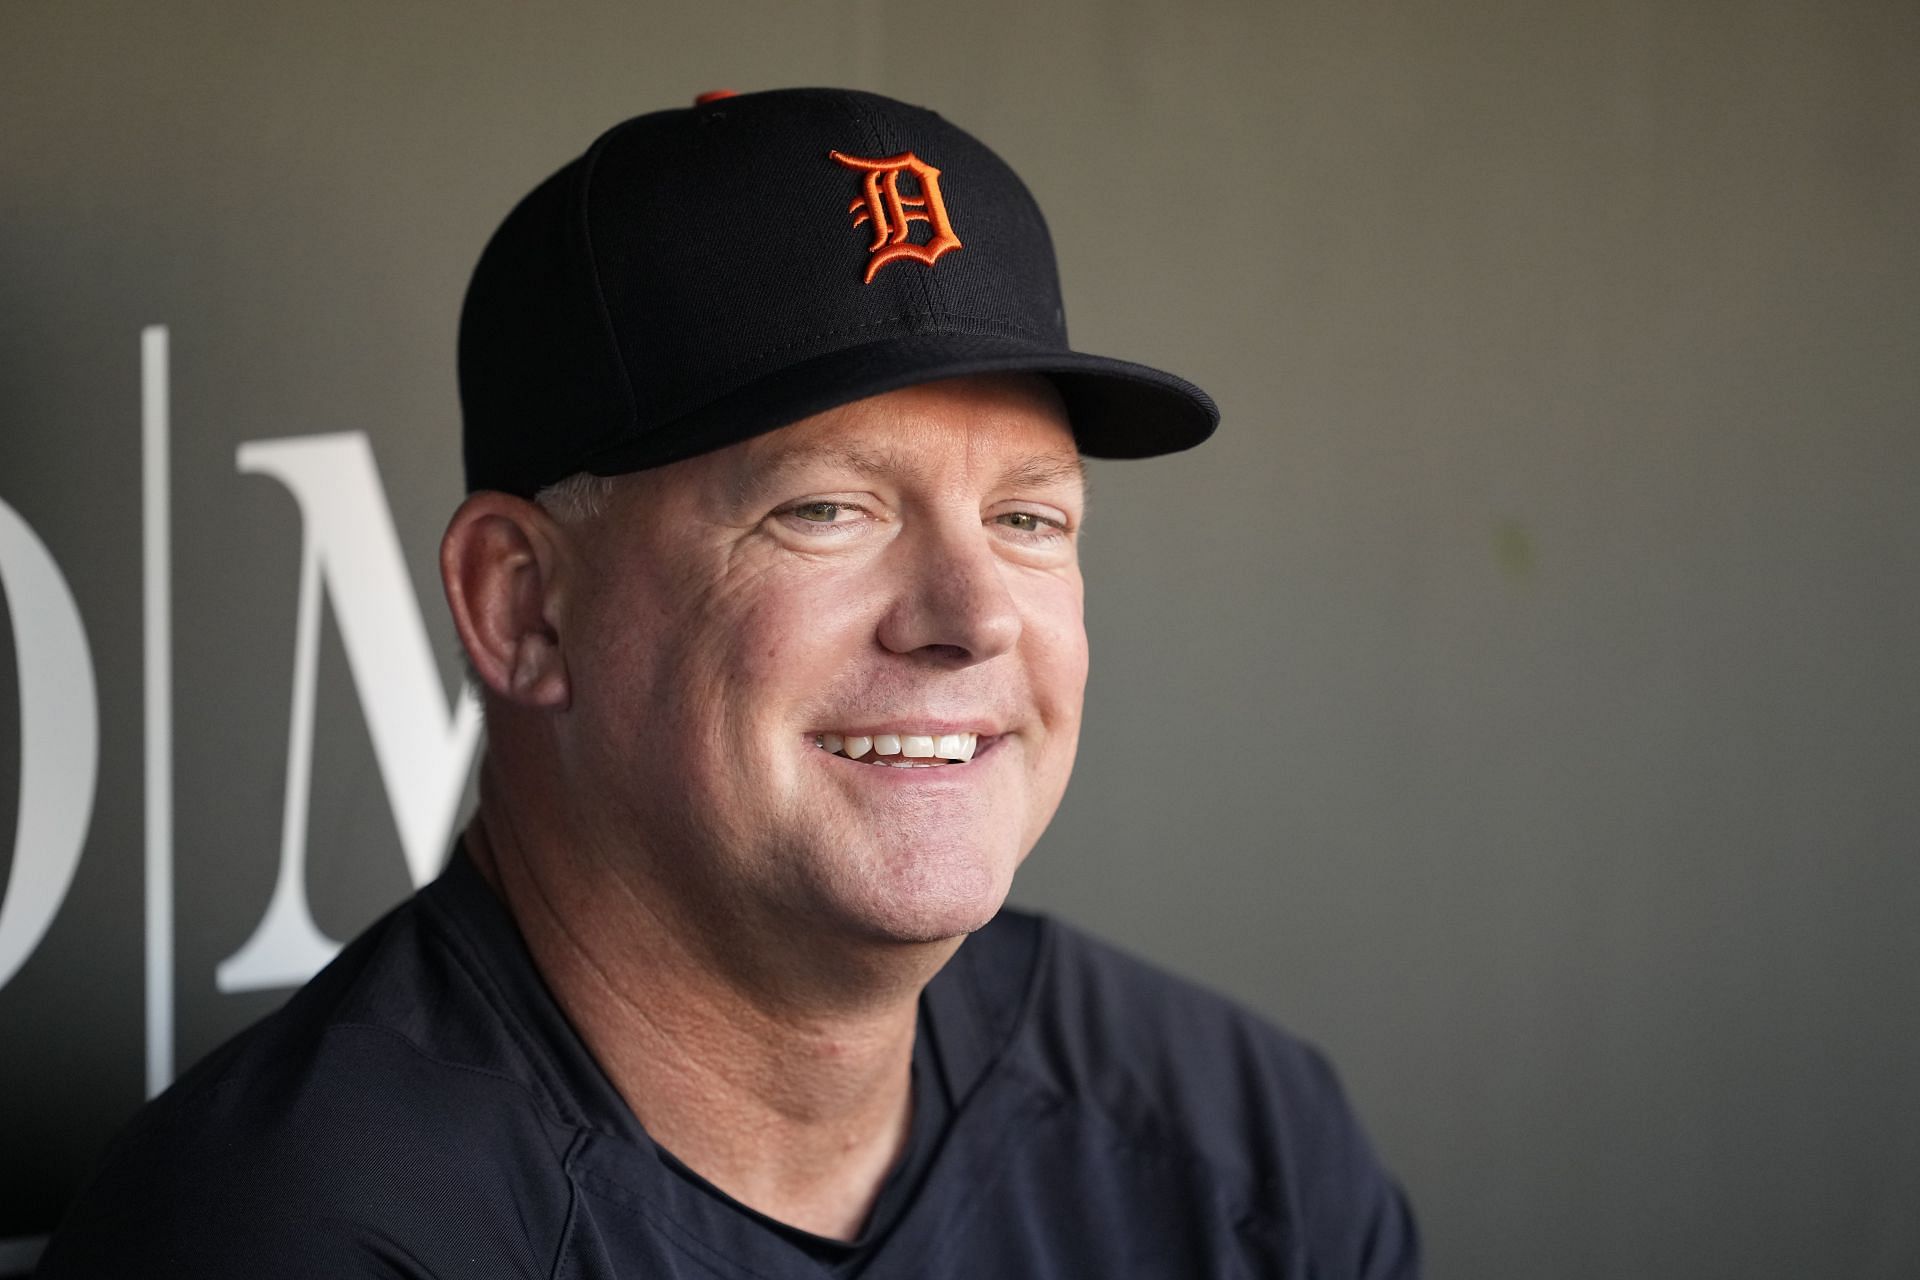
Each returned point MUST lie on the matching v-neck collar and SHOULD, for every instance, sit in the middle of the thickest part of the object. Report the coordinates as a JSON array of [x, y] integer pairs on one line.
[[971, 1012]]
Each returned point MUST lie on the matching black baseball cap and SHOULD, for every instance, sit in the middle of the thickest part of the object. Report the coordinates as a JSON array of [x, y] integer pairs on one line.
[[707, 274]]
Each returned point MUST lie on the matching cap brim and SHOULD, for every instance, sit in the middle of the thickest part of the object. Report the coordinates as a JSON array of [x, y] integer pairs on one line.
[[1118, 409]]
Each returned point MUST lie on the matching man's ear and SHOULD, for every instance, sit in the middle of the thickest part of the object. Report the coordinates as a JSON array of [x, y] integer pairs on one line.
[[499, 562]]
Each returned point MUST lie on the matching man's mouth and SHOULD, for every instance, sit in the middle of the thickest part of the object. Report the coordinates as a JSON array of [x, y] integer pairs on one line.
[[902, 750]]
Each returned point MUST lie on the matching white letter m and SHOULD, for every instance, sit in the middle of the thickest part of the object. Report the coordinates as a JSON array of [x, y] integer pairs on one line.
[[423, 747]]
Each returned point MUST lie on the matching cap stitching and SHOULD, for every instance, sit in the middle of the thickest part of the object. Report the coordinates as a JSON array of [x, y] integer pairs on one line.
[[590, 163], [1015, 330]]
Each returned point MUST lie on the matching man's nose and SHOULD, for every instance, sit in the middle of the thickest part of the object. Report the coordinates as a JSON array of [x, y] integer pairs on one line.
[[952, 601]]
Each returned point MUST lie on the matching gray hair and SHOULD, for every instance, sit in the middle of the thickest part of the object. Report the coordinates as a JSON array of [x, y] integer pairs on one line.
[[578, 498]]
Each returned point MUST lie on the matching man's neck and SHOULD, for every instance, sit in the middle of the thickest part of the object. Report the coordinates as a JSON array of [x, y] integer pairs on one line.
[[795, 1108]]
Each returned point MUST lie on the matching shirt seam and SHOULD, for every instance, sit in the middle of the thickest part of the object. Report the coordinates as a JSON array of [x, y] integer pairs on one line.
[[1162, 1144], [451, 1064], [524, 1040], [1158, 1133], [696, 1249]]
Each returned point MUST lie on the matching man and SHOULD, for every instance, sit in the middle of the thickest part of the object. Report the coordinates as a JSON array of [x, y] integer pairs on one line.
[[768, 576]]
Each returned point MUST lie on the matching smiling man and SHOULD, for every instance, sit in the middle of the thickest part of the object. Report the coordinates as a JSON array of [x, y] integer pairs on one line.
[[769, 577]]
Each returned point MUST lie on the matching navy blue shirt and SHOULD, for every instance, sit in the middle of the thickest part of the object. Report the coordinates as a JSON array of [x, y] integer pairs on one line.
[[423, 1108]]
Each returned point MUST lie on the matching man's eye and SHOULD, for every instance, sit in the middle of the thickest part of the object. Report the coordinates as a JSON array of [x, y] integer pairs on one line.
[[1029, 522], [824, 518], [818, 512]]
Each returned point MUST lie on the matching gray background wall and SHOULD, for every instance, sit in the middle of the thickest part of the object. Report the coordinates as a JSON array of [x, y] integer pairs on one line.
[[1518, 698]]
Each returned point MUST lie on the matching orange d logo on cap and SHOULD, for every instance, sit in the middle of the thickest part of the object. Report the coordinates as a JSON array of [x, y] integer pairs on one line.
[[883, 205]]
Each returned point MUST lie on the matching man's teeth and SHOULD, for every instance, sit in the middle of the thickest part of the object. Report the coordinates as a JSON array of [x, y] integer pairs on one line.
[[902, 750]]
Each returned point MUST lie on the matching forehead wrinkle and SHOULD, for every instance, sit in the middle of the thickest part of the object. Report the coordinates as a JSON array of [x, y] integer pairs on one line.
[[757, 476], [1045, 470]]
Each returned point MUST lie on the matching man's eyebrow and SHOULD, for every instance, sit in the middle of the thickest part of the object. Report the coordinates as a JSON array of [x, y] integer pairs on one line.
[[757, 479], [1044, 470]]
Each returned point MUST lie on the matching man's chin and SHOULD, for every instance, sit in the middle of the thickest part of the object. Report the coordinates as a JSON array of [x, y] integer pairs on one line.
[[927, 910], [934, 932]]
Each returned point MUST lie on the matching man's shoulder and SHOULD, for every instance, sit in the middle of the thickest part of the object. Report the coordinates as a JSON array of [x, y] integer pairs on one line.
[[1173, 1071], [1163, 1052], [403, 1022], [340, 1120]]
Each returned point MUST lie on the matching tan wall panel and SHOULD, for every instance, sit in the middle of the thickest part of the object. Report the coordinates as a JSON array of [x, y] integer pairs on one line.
[[1519, 696]]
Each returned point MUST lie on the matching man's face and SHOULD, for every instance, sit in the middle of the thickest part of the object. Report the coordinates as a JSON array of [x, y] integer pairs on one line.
[[905, 566]]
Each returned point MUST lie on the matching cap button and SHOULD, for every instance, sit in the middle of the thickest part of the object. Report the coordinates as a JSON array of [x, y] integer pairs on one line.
[[714, 95]]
